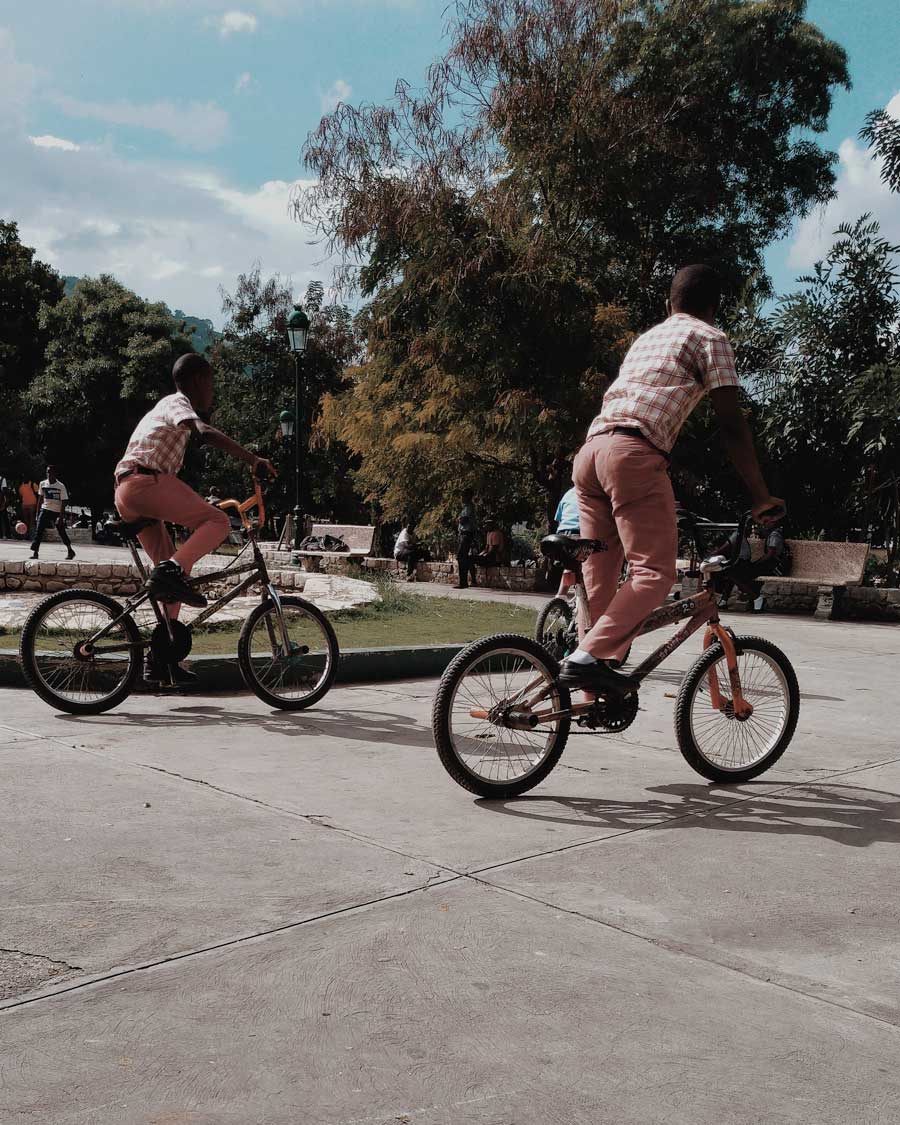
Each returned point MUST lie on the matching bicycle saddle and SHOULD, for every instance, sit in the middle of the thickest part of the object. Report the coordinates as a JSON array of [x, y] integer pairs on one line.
[[126, 529], [569, 551]]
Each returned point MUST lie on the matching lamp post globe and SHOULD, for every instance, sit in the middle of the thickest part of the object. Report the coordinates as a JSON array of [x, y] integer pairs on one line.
[[298, 334], [286, 421]]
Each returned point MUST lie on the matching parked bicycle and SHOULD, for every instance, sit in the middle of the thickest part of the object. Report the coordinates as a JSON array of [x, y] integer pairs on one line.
[[82, 651], [501, 718]]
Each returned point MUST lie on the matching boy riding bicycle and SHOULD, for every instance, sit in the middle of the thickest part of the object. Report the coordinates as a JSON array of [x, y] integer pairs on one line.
[[147, 484], [625, 497]]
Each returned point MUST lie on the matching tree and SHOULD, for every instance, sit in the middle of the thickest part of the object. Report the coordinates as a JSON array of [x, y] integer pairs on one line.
[[255, 382], [832, 403], [109, 357], [25, 285], [518, 220]]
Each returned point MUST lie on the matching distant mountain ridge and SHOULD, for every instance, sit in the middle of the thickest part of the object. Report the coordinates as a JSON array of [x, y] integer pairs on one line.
[[202, 332]]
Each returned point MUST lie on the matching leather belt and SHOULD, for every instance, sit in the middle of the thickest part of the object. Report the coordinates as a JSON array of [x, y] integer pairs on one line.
[[137, 469]]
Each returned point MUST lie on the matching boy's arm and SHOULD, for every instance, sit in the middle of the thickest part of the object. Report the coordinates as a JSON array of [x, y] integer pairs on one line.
[[209, 435], [738, 442]]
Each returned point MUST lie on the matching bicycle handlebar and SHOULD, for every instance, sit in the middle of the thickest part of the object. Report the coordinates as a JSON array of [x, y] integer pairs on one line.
[[255, 501]]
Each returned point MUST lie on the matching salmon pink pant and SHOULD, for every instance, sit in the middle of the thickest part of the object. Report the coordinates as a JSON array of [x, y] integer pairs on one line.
[[625, 499], [165, 497]]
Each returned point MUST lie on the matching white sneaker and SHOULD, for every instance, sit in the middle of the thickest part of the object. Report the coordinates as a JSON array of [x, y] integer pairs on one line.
[[759, 604]]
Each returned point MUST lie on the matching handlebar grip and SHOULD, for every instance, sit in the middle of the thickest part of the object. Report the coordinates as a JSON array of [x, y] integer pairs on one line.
[[778, 510], [260, 472]]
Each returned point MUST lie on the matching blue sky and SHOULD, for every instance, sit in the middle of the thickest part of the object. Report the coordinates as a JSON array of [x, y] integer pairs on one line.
[[158, 139]]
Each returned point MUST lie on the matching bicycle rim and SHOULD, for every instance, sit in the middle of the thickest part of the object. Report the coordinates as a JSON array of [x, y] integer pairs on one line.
[[66, 675], [487, 750], [301, 671], [734, 745]]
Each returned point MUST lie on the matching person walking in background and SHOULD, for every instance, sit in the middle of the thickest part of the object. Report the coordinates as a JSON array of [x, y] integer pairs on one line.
[[465, 540], [406, 550], [54, 495], [28, 504], [5, 522]]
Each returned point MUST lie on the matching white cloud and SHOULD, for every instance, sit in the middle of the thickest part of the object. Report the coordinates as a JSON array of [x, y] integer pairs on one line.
[[243, 82], [339, 91], [236, 23], [47, 140], [170, 231], [860, 189], [198, 125]]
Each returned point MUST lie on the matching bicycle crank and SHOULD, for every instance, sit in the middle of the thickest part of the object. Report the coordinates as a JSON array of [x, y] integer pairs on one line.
[[611, 715]]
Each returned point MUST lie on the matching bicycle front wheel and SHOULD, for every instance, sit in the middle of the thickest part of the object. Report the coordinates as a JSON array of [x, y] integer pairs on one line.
[[713, 740], [294, 676], [63, 669], [488, 682]]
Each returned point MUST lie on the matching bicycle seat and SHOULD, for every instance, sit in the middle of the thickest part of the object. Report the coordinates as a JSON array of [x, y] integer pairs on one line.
[[126, 529], [570, 551]]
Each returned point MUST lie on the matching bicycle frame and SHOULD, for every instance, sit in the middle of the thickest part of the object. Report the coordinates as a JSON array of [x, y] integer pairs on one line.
[[256, 570]]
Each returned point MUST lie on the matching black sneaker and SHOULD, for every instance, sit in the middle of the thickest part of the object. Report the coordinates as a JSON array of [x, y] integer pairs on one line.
[[597, 677], [168, 583], [70, 555]]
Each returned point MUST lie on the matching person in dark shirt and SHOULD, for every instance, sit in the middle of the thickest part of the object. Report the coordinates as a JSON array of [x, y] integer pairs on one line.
[[746, 573], [465, 540]]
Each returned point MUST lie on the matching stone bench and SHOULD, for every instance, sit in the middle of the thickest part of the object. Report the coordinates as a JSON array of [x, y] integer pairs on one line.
[[360, 538], [76, 534], [830, 567]]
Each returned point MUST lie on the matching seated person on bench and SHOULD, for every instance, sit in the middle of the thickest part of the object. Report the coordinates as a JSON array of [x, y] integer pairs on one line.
[[494, 546]]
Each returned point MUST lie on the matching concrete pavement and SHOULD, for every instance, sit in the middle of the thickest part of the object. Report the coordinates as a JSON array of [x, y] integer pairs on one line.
[[214, 912]]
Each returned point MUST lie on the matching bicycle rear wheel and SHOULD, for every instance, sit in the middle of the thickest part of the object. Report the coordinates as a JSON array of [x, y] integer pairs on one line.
[[295, 678], [714, 741], [553, 628], [488, 679], [65, 675]]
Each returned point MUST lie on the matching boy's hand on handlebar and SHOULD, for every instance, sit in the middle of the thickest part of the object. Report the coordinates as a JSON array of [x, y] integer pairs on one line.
[[263, 468], [769, 511]]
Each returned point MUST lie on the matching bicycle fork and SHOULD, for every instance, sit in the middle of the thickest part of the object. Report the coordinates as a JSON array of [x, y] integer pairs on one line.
[[716, 633]]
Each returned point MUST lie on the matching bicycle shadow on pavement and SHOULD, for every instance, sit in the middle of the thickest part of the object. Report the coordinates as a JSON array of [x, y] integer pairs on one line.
[[347, 724], [847, 814]]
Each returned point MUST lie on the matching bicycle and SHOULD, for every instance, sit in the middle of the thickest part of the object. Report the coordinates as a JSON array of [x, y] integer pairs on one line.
[[501, 718], [82, 651]]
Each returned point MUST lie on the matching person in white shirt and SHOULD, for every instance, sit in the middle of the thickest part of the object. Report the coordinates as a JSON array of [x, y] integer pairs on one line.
[[53, 494], [406, 549]]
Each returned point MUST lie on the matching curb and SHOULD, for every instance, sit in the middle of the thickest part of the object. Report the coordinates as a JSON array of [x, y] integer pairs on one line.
[[221, 673]]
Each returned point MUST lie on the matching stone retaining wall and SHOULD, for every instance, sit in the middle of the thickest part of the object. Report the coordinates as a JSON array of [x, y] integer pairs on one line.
[[118, 579]]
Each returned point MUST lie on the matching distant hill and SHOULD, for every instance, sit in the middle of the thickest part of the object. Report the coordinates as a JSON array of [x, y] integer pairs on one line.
[[203, 336]]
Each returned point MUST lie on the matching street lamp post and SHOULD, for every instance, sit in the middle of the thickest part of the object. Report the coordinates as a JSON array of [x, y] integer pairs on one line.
[[298, 333]]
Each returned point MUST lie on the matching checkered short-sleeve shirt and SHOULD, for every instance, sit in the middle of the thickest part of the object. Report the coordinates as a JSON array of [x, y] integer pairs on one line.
[[664, 375], [160, 438]]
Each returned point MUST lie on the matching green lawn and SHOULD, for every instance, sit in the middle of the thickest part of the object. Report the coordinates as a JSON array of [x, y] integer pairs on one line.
[[414, 621], [401, 618]]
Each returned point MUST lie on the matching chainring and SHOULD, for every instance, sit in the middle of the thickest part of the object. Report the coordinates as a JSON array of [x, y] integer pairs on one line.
[[611, 715], [174, 651]]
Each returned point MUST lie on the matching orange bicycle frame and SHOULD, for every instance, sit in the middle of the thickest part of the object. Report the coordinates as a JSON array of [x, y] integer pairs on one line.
[[255, 501]]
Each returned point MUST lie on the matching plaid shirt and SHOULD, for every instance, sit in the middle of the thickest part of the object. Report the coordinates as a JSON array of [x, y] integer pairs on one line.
[[160, 438], [664, 375]]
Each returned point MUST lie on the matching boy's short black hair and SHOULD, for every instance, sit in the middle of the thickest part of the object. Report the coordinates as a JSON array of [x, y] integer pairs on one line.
[[187, 366], [695, 289]]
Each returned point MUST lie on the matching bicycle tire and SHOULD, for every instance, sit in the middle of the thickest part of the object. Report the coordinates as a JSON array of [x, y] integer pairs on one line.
[[692, 683], [245, 661], [443, 702], [36, 681], [561, 608]]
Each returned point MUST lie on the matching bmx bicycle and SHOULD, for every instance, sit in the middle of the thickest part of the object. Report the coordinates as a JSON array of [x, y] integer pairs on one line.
[[501, 718], [82, 651]]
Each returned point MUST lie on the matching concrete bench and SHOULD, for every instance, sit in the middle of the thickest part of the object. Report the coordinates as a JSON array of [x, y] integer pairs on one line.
[[358, 537], [76, 534], [831, 566]]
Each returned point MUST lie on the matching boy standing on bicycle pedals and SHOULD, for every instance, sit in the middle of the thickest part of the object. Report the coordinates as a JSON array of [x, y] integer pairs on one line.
[[147, 486], [625, 497]]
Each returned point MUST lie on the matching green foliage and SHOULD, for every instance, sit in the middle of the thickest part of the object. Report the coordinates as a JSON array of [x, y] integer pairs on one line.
[[109, 357], [255, 382], [832, 408], [521, 218], [25, 285]]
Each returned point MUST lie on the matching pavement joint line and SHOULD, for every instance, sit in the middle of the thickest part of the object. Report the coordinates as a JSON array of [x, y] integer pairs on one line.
[[679, 951], [824, 777], [225, 943]]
